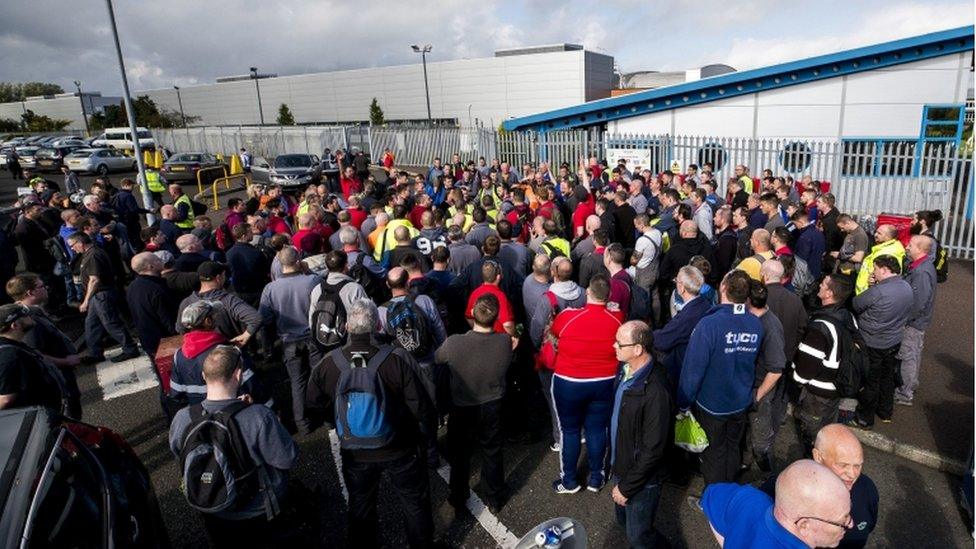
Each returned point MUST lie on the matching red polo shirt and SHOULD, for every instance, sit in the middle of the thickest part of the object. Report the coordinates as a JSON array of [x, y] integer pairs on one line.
[[586, 339], [504, 307], [356, 217]]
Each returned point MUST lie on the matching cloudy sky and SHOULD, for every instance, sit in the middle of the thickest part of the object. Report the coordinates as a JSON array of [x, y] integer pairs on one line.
[[188, 42]]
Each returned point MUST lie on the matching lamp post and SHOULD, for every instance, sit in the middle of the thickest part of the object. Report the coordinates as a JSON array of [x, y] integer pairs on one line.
[[81, 99], [131, 115], [423, 55], [179, 99], [257, 87]]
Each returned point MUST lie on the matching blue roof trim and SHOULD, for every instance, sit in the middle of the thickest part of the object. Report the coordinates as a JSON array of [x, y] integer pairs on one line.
[[735, 84]]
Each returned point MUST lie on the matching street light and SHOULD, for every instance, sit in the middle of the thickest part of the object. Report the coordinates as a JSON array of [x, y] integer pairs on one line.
[[254, 76], [179, 99], [423, 55], [131, 115], [81, 99]]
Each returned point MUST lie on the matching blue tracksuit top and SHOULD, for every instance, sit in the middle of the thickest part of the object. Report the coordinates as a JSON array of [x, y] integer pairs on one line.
[[720, 363]]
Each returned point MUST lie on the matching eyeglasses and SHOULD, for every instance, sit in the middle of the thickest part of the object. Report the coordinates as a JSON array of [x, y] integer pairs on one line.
[[620, 345], [846, 525]]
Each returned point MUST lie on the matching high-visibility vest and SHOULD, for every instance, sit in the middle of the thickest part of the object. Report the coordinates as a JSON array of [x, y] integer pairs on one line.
[[153, 181], [187, 223], [893, 247]]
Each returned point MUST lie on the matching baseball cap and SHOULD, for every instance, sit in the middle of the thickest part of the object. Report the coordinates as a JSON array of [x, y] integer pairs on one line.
[[166, 257], [195, 313], [209, 270], [12, 312]]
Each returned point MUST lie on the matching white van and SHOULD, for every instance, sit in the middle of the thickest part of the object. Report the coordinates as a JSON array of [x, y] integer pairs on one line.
[[121, 138]]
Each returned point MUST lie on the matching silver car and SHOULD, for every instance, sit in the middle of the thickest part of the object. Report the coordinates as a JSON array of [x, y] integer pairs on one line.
[[26, 157], [100, 161]]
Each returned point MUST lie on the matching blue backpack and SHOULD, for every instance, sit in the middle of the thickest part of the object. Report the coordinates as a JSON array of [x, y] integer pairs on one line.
[[362, 422]]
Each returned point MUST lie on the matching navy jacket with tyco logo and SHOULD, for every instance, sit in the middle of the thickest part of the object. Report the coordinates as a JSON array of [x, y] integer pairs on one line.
[[720, 364]]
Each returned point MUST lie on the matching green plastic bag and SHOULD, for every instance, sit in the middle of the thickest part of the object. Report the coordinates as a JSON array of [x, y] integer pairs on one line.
[[688, 433]]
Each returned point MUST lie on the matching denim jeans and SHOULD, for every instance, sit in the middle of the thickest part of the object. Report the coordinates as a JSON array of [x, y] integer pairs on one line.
[[299, 357], [409, 479], [583, 405], [637, 518]]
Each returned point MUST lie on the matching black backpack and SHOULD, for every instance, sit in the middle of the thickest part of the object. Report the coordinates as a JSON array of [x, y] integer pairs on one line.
[[218, 471], [409, 327], [199, 208], [640, 303], [371, 285], [329, 316], [941, 262], [853, 368]]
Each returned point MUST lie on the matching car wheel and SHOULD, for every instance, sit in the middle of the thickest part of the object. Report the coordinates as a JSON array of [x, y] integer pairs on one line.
[[102, 170]]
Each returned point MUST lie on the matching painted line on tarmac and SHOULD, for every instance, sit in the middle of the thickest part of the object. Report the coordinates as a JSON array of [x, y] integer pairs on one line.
[[502, 535], [921, 456], [125, 378], [337, 458]]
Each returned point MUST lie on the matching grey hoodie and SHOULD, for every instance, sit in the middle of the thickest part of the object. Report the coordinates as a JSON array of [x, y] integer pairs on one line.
[[568, 295]]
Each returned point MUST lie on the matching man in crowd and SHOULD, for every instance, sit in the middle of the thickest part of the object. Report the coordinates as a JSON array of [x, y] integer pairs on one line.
[[478, 362], [25, 378], [922, 278], [886, 243], [763, 422], [100, 302], [249, 268], [151, 303], [883, 310], [640, 431], [762, 252], [582, 385], [286, 302], [717, 376], [407, 413]]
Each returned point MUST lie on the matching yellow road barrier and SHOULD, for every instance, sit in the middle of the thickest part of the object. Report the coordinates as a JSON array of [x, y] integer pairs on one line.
[[226, 181], [223, 169]]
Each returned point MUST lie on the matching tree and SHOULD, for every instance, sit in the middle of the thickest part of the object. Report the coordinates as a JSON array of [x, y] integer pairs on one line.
[[148, 115], [376, 113], [285, 117], [20, 91], [33, 122], [8, 125]]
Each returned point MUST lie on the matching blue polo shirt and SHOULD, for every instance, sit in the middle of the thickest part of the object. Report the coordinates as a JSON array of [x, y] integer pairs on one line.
[[864, 510], [743, 515]]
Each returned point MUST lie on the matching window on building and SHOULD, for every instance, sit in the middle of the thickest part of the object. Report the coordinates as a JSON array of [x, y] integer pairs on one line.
[[713, 154], [795, 157], [942, 122]]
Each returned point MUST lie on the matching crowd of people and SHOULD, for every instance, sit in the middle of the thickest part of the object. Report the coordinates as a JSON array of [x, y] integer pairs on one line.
[[586, 305]]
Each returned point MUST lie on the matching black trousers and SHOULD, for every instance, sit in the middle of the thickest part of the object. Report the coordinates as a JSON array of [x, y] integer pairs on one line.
[[878, 395], [299, 358], [408, 475], [467, 427], [720, 461]]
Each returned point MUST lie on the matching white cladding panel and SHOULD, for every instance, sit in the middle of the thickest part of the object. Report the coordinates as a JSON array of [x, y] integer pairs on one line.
[[879, 103], [489, 89]]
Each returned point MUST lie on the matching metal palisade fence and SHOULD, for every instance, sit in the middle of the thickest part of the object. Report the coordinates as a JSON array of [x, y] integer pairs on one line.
[[868, 176]]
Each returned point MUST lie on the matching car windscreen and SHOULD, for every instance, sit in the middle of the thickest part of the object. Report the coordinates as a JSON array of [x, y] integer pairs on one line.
[[293, 161], [46, 153], [28, 151], [187, 158]]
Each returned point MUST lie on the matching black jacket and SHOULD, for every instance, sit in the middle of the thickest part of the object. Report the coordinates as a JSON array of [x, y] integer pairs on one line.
[[31, 236], [832, 233], [408, 406], [249, 268], [644, 427], [681, 252], [726, 246], [153, 309]]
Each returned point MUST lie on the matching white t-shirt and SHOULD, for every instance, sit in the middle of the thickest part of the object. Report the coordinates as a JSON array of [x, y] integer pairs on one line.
[[649, 246]]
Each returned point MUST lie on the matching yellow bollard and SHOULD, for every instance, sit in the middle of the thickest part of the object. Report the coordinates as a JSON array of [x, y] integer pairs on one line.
[[147, 159], [158, 158], [235, 165]]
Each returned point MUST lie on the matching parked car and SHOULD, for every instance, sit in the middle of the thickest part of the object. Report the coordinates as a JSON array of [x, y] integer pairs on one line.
[[289, 170], [50, 159], [184, 166], [70, 141], [100, 161], [26, 155], [5, 151], [70, 484]]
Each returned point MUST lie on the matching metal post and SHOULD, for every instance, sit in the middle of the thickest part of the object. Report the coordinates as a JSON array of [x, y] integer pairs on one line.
[[179, 99], [423, 56], [84, 114], [257, 87], [130, 113]]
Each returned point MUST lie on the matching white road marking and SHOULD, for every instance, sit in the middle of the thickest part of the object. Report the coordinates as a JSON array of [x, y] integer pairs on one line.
[[502, 535], [337, 457], [125, 378]]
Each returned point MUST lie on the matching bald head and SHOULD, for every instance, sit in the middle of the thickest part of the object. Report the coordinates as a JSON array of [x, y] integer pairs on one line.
[[382, 218], [807, 495], [167, 212], [562, 269], [688, 229], [401, 234], [540, 264], [838, 449], [188, 243], [306, 220], [886, 233], [772, 271], [592, 223], [146, 263], [760, 240]]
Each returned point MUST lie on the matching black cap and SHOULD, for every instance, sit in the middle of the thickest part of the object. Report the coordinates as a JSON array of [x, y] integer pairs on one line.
[[11, 313], [209, 270]]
